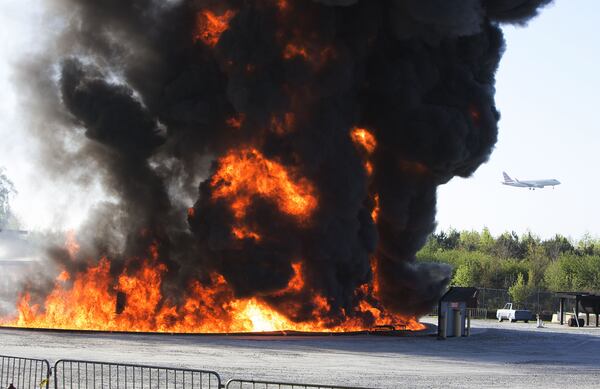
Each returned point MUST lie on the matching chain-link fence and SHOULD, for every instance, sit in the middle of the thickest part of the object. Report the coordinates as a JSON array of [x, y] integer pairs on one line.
[[539, 302]]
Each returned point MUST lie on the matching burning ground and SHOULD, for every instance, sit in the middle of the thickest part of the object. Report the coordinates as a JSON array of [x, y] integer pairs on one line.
[[328, 126]]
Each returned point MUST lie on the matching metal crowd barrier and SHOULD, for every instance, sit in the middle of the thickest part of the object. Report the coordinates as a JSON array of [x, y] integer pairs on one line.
[[243, 384], [73, 374], [24, 373]]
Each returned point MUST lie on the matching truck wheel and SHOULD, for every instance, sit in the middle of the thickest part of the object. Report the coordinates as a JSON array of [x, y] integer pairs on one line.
[[513, 320], [526, 321], [500, 319]]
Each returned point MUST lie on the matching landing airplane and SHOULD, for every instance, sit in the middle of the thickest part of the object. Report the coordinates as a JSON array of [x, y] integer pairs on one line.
[[531, 185]]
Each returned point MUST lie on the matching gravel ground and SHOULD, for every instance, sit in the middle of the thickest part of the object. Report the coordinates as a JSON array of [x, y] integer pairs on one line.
[[496, 355]]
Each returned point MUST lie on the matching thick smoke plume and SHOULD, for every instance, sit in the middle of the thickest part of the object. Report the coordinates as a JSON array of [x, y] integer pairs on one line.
[[156, 97]]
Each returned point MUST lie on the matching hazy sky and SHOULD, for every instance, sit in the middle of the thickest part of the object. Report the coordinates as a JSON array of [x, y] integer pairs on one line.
[[547, 92]]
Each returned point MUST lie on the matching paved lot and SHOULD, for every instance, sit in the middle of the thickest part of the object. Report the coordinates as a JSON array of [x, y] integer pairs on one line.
[[496, 355]]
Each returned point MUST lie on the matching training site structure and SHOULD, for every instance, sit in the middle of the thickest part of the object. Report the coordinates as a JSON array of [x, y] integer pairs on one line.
[[453, 312], [584, 303]]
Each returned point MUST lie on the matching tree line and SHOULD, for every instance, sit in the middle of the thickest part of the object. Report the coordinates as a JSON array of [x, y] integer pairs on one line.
[[7, 189], [522, 264]]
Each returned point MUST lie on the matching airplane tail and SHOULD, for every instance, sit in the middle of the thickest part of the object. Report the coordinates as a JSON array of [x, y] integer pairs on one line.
[[507, 177]]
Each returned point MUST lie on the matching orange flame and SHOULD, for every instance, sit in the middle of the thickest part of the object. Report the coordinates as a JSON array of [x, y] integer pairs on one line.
[[241, 232], [90, 304], [374, 271], [365, 139], [413, 167], [236, 121], [89, 300], [296, 283], [282, 5], [291, 50], [191, 212], [317, 57], [245, 173], [375, 211], [283, 125], [209, 26], [63, 276], [71, 244]]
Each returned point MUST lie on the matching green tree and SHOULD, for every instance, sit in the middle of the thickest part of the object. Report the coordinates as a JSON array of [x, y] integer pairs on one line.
[[574, 273], [556, 246], [587, 245], [7, 189], [521, 290], [470, 240], [522, 264], [468, 273], [508, 246], [447, 240], [529, 242], [486, 241], [537, 263], [505, 272]]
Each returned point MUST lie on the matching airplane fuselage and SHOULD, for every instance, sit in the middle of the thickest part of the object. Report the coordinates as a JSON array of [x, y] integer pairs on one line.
[[532, 184]]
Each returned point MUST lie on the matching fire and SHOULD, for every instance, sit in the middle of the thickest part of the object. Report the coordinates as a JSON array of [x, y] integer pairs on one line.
[[83, 304], [71, 244], [375, 211], [243, 233], [292, 50], [317, 57], [296, 283], [63, 276], [133, 300], [210, 26], [89, 303], [414, 167], [191, 212], [283, 124], [365, 139], [374, 271], [282, 5], [236, 121], [245, 173], [369, 168]]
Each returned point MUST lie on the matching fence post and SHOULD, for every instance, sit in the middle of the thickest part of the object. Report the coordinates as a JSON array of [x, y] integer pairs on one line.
[[483, 297], [468, 331]]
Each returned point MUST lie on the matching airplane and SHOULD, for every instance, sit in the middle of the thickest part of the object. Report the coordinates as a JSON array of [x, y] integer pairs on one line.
[[531, 185]]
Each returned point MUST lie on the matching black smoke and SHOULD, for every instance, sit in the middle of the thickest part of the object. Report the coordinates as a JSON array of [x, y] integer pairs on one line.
[[149, 105]]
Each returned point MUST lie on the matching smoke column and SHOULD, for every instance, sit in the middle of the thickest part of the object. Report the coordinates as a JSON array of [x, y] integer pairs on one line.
[[244, 112]]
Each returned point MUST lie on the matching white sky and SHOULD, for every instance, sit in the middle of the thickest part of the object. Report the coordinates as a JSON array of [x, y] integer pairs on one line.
[[547, 92], [547, 88]]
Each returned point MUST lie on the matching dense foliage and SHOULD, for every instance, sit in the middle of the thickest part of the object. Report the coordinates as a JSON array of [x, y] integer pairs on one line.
[[522, 264]]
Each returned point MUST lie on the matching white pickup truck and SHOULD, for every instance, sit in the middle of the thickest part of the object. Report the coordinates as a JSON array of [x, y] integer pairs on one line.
[[513, 315]]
